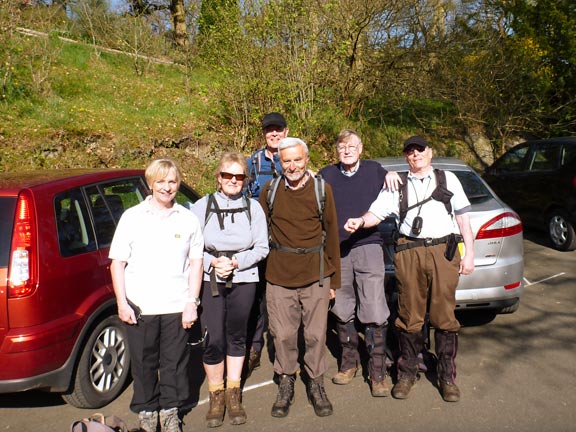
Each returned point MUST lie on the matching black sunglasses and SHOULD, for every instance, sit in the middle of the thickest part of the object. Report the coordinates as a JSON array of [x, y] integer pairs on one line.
[[228, 176], [410, 150]]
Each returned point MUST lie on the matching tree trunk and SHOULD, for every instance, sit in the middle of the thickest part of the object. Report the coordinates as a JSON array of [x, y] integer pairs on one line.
[[179, 23]]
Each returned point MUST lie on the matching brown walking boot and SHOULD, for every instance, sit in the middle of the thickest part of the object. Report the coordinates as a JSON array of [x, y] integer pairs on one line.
[[379, 388], [253, 362], [234, 406], [344, 377], [450, 391], [285, 396], [403, 387], [318, 397], [215, 414]]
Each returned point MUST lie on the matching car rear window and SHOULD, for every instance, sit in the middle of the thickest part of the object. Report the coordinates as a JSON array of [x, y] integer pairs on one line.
[[473, 186], [7, 208]]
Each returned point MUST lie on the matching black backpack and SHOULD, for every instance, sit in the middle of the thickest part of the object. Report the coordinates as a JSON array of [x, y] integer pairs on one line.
[[213, 208]]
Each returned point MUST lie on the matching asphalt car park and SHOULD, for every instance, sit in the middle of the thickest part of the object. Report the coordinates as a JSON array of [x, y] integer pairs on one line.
[[516, 372]]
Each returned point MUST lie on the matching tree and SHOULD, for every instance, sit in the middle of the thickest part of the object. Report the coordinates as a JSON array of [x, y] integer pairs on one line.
[[547, 30]]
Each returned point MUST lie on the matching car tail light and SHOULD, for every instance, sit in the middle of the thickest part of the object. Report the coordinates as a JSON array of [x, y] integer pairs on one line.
[[512, 285], [503, 225], [22, 279]]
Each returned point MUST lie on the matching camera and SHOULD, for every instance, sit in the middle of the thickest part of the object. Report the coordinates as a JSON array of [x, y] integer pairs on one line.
[[417, 225]]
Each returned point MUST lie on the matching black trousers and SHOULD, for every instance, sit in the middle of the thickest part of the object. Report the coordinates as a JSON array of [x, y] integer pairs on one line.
[[160, 362], [226, 319]]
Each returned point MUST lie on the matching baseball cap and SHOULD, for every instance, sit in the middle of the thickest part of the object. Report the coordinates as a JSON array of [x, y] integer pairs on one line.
[[273, 119], [416, 140]]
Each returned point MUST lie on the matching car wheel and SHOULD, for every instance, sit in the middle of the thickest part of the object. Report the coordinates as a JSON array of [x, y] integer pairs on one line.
[[561, 232], [104, 366]]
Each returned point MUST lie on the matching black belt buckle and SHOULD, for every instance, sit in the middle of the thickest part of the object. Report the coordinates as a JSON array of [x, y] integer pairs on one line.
[[428, 241]]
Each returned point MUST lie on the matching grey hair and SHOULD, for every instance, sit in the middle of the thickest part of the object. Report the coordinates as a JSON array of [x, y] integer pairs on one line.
[[292, 142]]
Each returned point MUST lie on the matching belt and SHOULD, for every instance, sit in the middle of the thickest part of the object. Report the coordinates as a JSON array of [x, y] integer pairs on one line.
[[419, 242]]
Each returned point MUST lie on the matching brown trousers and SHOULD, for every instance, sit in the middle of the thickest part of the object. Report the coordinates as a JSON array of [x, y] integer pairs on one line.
[[425, 275], [287, 308]]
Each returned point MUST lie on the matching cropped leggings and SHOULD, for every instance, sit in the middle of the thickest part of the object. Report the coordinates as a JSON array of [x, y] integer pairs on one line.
[[225, 317]]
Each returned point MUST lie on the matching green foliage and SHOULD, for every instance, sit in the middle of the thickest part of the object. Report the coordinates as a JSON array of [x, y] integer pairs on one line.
[[546, 30]]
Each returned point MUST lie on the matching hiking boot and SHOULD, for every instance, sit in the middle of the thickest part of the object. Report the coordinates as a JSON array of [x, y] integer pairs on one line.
[[450, 391], [344, 377], [148, 421], [318, 397], [215, 414], [169, 421], [379, 388], [236, 412], [253, 362], [403, 387], [285, 396]]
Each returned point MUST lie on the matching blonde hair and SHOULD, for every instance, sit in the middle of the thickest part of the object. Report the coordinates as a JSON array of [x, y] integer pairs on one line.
[[159, 169]]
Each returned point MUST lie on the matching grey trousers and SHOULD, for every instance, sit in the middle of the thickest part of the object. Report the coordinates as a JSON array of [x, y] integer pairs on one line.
[[287, 309]]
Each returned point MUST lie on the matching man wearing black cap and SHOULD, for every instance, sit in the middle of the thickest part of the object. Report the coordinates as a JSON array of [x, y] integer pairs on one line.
[[432, 209], [263, 165]]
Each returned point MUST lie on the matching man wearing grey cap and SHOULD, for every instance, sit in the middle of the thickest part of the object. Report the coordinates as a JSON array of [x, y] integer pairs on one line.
[[432, 211]]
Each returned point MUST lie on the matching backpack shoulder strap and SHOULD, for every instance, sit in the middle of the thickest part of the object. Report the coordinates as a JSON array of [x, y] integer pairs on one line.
[[403, 198], [271, 194], [320, 191], [211, 208], [441, 193], [247, 208]]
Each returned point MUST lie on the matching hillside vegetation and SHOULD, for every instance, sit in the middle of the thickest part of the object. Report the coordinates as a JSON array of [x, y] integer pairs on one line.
[[113, 90]]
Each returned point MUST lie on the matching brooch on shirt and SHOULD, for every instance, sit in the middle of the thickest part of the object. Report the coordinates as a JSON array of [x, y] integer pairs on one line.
[[177, 235]]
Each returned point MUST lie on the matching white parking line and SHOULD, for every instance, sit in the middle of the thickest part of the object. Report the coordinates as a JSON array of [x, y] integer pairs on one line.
[[528, 283], [248, 388]]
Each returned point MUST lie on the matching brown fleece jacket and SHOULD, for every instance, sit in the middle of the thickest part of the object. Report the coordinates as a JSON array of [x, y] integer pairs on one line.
[[296, 224]]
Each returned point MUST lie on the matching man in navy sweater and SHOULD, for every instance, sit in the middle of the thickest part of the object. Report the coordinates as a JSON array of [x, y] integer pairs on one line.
[[356, 184]]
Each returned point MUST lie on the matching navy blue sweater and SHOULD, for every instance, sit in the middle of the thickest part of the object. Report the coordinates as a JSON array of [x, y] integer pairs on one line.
[[353, 196]]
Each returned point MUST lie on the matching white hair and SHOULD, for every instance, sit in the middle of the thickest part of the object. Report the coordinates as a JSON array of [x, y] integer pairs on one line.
[[292, 142]]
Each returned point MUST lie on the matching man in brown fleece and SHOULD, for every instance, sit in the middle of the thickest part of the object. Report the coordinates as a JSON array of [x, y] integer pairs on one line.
[[302, 272]]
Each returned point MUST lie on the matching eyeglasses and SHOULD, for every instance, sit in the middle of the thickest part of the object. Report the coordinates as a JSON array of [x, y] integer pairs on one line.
[[410, 150], [229, 176], [348, 147]]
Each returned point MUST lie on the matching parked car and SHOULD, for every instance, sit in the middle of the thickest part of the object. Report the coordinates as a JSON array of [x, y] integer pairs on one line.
[[538, 180], [59, 329], [497, 282]]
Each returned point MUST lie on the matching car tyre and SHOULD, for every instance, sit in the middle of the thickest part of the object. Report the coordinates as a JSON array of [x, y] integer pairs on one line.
[[104, 367], [561, 231]]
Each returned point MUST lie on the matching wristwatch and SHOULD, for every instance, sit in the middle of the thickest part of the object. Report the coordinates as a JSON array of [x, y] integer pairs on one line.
[[195, 300]]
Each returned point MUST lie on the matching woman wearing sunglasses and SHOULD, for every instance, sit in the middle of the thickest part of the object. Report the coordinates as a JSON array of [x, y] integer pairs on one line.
[[235, 240]]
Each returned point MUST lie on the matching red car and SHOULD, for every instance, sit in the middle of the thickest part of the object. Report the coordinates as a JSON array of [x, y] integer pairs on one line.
[[59, 330]]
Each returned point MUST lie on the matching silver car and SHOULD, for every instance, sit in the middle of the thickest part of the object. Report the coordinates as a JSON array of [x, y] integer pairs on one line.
[[497, 281]]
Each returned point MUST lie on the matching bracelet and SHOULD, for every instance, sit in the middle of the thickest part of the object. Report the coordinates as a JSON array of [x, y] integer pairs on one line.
[[363, 222]]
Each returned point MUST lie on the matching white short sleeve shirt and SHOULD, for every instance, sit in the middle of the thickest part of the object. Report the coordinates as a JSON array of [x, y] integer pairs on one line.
[[158, 251], [436, 220]]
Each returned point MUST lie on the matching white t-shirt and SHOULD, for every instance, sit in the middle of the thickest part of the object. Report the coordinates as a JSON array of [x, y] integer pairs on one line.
[[436, 220], [157, 251]]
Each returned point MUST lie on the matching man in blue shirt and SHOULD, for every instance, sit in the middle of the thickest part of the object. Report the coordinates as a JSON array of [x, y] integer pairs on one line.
[[263, 165]]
